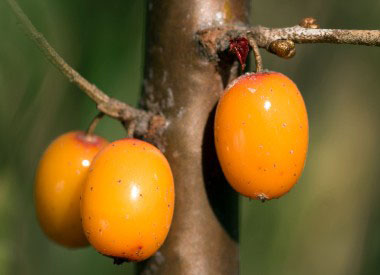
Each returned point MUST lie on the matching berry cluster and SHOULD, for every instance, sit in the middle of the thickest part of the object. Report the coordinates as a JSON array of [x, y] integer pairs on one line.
[[119, 196]]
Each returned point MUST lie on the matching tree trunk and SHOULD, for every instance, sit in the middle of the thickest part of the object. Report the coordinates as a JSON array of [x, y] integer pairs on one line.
[[185, 87]]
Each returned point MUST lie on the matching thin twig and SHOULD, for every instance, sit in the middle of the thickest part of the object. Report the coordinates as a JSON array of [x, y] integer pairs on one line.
[[264, 36], [110, 106], [216, 39]]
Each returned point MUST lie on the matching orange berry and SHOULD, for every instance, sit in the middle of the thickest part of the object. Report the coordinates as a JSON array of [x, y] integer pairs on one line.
[[261, 135], [128, 200], [60, 175]]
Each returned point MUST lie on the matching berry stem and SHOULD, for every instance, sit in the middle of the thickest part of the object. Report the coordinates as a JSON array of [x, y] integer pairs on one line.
[[131, 129], [91, 129], [256, 53]]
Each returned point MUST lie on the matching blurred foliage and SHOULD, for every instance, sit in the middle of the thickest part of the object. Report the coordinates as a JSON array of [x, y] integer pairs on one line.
[[328, 224]]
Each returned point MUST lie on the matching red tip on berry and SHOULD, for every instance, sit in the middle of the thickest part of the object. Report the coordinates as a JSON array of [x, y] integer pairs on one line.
[[240, 47]]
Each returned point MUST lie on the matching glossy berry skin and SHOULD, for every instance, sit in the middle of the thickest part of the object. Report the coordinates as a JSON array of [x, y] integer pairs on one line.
[[261, 134], [128, 200], [60, 177]]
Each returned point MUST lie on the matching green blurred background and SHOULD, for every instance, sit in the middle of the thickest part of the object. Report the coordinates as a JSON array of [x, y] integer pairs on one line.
[[329, 223]]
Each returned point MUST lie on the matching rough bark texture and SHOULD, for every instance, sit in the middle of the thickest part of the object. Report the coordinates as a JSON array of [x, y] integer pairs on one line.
[[185, 87]]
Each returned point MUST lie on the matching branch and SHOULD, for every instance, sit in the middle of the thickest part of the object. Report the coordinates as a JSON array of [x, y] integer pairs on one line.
[[265, 36], [280, 41], [110, 106]]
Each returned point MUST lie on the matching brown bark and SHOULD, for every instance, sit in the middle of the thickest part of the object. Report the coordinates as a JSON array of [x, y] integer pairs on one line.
[[185, 87], [216, 39]]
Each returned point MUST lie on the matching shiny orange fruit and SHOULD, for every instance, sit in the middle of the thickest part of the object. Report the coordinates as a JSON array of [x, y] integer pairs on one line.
[[128, 200], [60, 176], [261, 134]]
